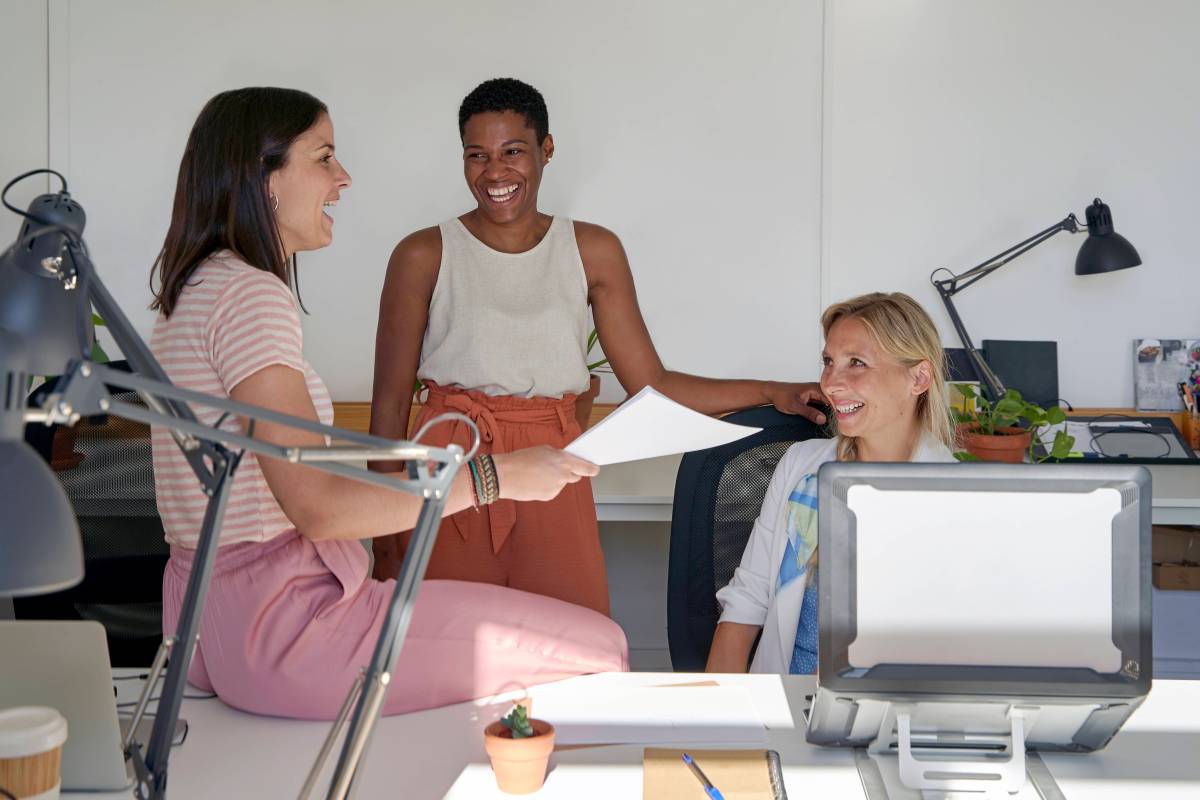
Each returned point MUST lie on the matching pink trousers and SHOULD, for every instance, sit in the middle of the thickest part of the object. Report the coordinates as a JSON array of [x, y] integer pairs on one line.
[[289, 623]]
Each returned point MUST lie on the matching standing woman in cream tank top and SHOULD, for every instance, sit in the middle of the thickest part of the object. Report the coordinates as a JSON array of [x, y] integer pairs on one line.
[[490, 311]]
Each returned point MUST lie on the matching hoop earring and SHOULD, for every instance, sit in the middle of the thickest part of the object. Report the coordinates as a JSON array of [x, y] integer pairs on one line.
[[274, 201]]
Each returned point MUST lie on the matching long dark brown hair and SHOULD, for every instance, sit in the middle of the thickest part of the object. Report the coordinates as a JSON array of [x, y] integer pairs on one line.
[[221, 197]]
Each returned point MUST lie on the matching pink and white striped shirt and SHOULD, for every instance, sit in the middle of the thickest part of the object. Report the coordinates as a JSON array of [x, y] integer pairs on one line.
[[231, 320]]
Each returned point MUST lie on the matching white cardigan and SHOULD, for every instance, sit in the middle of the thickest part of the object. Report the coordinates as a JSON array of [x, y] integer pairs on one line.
[[750, 598]]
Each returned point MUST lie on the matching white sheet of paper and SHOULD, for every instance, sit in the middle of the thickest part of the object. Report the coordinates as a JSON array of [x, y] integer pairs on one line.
[[650, 425], [655, 715], [1080, 430]]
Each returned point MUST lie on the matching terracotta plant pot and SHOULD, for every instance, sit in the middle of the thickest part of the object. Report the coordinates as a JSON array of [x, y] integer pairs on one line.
[[62, 452], [1008, 445], [585, 401], [519, 764]]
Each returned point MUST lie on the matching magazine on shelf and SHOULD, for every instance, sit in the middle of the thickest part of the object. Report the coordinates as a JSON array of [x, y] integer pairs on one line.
[[1159, 366]]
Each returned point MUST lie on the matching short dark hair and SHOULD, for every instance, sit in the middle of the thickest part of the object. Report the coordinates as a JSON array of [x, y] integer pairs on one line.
[[506, 94], [221, 196]]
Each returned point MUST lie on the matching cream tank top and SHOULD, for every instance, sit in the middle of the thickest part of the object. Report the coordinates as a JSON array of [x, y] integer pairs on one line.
[[508, 323]]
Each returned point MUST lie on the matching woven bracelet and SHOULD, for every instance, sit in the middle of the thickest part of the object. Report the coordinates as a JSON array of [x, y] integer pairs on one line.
[[474, 482]]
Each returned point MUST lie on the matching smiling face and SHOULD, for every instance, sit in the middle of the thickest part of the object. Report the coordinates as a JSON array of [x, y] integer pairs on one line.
[[873, 393], [307, 187], [503, 163]]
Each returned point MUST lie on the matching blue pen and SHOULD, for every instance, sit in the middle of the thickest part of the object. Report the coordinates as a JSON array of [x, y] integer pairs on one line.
[[709, 789]]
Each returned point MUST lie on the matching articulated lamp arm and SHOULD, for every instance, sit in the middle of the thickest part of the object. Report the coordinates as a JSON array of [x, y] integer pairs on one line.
[[948, 287], [214, 454]]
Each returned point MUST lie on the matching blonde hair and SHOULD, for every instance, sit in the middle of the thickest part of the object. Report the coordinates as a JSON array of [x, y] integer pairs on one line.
[[903, 329]]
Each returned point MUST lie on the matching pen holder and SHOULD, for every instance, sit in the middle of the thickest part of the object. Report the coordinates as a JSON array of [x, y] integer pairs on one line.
[[519, 764], [1191, 431]]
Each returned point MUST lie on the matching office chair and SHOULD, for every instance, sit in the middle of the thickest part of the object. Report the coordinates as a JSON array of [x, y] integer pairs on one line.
[[718, 494], [112, 491]]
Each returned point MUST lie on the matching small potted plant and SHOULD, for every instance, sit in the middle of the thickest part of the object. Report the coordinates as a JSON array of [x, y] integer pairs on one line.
[[519, 749], [62, 448], [1008, 429], [585, 401]]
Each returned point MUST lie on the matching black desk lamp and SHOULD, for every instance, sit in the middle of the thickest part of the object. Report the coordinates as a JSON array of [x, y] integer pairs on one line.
[[1104, 250], [48, 286]]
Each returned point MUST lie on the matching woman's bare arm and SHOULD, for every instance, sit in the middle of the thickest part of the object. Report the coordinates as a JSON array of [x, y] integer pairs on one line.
[[326, 506], [731, 647]]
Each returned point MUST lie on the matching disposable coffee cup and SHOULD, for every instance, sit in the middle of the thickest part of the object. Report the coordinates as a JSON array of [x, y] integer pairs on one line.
[[31, 740]]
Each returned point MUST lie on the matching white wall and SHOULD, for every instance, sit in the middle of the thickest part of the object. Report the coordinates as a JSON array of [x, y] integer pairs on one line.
[[956, 129], [733, 147], [23, 92], [658, 111]]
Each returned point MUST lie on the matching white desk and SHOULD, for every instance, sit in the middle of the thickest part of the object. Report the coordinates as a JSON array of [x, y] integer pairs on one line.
[[643, 491], [439, 753]]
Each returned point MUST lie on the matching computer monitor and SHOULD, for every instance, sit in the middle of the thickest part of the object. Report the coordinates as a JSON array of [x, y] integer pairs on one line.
[[962, 602]]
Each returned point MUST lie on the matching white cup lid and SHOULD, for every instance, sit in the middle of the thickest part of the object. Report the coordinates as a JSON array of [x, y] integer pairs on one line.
[[30, 731]]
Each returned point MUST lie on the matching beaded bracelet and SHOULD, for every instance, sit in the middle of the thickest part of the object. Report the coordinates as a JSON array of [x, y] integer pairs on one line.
[[489, 482], [475, 492], [485, 483]]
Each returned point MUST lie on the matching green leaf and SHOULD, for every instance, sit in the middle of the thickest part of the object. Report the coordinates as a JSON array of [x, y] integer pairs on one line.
[[517, 721], [963, 455], [98, 354], [1009, 407], [1034, 415], [97, 321], [1055, 415], [1063, 442], [1012, 394]]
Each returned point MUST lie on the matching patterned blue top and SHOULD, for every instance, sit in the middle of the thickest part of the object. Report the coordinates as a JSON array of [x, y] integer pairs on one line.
[[804, 652], [802, 542]]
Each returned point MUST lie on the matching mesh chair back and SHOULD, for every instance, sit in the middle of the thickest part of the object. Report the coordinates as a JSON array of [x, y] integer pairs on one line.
[[112, 488], [718, 495]]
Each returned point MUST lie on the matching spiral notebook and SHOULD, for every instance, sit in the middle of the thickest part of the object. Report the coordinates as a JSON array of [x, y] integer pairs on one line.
[[738, 774]]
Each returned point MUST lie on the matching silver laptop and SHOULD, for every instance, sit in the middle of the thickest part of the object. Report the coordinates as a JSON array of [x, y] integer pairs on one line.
[[64, 665]]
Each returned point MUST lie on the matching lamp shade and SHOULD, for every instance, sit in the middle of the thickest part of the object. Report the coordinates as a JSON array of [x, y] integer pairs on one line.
[[40, 548], [34, 303], [1104, 250]]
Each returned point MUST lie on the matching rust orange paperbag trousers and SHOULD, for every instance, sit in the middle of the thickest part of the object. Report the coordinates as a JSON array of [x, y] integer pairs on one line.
[[550, 548]]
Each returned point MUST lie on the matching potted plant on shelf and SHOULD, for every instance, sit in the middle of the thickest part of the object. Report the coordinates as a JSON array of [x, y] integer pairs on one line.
[[585, 401], [62, 447], [519, 749], [1008, 429]]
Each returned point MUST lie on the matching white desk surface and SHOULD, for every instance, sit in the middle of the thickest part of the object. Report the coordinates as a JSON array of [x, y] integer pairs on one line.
[[439, 753], [642, 491]]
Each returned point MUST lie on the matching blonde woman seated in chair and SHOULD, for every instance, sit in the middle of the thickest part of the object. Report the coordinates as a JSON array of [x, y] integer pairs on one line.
[[883, 374]]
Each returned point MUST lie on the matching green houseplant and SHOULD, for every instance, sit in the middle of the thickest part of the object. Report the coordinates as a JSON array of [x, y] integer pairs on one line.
[[1008, 429], [519, 748], [585, 401], [62, 448]]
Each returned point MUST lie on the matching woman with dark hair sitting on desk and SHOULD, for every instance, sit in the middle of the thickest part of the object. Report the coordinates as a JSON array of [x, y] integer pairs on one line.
[[883, 375], [292, 614]]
